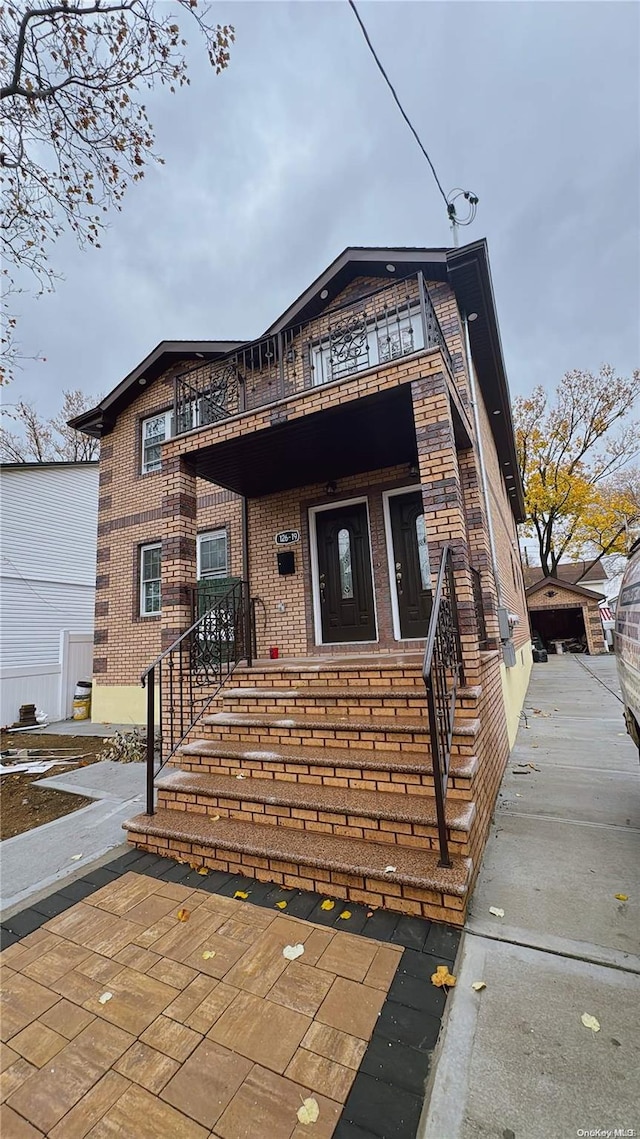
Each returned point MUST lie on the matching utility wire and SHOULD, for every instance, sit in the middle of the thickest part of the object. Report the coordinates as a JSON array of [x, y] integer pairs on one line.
[[449, 201], [399, 104]]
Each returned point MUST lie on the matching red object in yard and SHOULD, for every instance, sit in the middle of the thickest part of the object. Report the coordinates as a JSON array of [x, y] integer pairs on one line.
[[274, 652]]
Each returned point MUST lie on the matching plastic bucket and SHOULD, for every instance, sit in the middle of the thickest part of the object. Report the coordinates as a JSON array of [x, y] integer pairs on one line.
[[81, 707]]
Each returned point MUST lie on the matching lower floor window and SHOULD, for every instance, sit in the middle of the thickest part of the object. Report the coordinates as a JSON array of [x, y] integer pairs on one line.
[[150, 579], [212, 554]]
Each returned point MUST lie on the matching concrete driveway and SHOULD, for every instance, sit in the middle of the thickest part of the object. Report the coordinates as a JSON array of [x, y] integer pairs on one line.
[[515, 1059]]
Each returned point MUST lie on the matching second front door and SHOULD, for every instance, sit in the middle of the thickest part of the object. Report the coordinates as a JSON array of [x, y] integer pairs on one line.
[[412, 581]]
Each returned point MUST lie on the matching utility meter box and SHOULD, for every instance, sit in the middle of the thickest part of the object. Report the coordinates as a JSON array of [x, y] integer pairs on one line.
[[509, 654], [503, 623]]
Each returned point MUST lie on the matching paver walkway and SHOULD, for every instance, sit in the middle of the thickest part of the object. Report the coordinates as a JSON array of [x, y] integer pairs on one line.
[[208, 1030]]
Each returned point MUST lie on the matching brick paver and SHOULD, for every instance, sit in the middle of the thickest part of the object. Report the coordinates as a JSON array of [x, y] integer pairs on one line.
[[208, 1030]]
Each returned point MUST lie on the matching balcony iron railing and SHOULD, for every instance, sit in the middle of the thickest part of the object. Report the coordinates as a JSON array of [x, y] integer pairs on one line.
[[369, 331]]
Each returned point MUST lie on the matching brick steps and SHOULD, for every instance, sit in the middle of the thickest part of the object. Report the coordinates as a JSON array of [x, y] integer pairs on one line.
[[408, 820], [399, 771], [384, 730], [342, 867], [337, 697]]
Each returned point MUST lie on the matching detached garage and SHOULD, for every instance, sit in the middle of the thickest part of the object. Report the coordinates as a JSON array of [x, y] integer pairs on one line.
[[566, 613]]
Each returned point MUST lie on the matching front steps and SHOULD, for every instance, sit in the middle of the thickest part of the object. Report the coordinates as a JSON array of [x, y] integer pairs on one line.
[[317, 775]]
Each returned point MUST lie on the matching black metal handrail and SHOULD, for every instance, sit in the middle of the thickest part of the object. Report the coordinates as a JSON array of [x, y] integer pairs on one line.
[[478, 604], [371, 330], [442, 672], [190, 673]]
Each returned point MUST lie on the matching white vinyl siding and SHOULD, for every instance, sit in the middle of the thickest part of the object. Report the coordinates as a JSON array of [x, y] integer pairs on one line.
[[155, 430], [47, 577], [212, 554], [150, 580]]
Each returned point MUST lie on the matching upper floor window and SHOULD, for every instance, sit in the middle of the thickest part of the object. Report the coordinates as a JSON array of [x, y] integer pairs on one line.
[[356, 342], [150, 579], [212, 554], [154, 431]]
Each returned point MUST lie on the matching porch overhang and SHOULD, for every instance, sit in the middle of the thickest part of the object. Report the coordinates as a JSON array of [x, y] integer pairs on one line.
[[362, 435]]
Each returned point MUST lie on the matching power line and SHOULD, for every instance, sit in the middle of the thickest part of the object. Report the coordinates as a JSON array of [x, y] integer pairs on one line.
[[450, 200]]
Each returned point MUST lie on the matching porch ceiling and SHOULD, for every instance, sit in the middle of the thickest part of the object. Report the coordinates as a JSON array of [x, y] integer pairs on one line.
[[363, 435]]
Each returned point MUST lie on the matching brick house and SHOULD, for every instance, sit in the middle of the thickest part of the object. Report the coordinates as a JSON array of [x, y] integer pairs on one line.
[[348, 485]]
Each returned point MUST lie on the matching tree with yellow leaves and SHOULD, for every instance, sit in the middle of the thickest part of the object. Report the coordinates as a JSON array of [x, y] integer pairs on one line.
[[574, 453]]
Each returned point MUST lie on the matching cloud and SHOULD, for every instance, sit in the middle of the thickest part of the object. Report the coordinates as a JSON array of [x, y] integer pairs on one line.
[[298, 151]]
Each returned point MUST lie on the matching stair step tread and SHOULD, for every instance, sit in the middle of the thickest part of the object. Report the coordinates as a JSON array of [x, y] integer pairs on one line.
[[462, 766], [362, 859], [340, 691], [338, 723], [353, 663], [314, 797]]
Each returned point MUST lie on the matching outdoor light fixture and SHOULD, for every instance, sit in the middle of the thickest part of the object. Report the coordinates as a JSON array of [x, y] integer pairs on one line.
[[414, 469], [142, 381], [390, 268], [330, 488], [324, 294], [497, 411], [472, 316]]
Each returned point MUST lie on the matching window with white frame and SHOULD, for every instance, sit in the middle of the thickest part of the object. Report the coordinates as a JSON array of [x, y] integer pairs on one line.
[[155, 430], [150, 580], [358, 343], [212, 554]]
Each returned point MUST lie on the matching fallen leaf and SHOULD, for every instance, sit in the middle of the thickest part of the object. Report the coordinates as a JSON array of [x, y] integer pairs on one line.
[[389, 869], [239, 776], [76, 857], [590, 1022], [478, 985], [193, 865], [369, 913], [203, 870], [104, 998], [183, 915], [213, 818], [309, 1111], [208, 954], [292, 951], [281, 905], [442, 978], [327, 904], [622, 897], [241, 894], [345, 915], [496, 911]]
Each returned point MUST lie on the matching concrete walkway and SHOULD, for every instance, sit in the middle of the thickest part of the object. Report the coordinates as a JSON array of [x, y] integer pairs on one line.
[[514, 1060], [37, 859]]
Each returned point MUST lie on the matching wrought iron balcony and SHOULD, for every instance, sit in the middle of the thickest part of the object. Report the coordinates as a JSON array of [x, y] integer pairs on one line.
[[367, 332]]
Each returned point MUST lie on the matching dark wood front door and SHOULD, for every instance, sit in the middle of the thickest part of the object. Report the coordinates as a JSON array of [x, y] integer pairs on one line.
[[344, 572], [410, 563]]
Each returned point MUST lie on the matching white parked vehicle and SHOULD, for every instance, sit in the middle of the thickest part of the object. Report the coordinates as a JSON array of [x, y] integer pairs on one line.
[[627, 643]]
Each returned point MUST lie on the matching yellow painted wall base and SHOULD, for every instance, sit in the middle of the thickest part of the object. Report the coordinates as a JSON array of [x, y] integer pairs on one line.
[[515, 682], [119, 703]]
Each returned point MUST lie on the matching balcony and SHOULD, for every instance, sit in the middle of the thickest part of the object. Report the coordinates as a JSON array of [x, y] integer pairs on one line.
[[368, 332]]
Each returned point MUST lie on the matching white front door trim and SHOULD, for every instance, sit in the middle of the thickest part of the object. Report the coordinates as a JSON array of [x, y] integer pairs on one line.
[[315, 573]]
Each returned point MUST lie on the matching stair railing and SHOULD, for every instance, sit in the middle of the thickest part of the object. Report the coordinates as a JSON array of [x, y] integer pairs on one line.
[[442, 672], [189, 674]]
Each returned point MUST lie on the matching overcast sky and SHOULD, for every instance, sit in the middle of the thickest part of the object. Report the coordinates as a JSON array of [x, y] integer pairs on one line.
[[298, 151]]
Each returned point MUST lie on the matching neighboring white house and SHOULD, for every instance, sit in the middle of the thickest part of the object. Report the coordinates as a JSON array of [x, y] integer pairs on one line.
[[48, 529]]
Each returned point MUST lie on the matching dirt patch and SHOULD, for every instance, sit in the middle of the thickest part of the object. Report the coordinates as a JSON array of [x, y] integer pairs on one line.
[[24, 805]]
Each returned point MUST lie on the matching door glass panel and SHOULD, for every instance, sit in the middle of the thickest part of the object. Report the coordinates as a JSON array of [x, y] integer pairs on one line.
[[422, 552], [344, 560]]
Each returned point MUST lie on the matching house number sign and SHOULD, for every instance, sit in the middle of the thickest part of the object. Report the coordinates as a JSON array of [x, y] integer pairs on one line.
[[287, 537]]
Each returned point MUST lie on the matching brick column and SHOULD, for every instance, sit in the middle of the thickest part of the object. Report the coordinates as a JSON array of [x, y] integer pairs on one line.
[[478, 539], [443, 503], [178, 547]]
